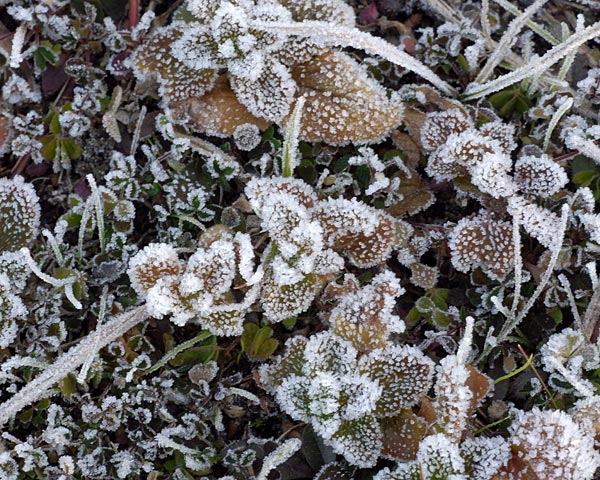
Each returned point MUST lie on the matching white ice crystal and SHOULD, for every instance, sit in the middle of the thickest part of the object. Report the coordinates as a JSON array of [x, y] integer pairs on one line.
[[491, 175], [539, 222]]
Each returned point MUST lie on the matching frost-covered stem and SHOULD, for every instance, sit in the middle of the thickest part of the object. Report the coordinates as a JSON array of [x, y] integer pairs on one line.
[[518, 278], [340, 36], [565, 284], [138, 129], [277, 457], [513, 321], [593, 274], [568, 61], [101, 315], [485, 21], [464, 347], [591, 317], [99, 207], [443, 9], [541, 31], [171, 354], [65, 283], [68, 362], [54, 246], [290, 145], [85, 218], [507, 40], [166, 442], [564, 108], [585, 147], [536, 67]]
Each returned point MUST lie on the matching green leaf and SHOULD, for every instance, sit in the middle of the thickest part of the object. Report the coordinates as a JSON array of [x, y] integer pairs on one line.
[[71, 148], [257, 342], [68, 386], [195, 355], [49, 146], [556, 314], [583, 179]]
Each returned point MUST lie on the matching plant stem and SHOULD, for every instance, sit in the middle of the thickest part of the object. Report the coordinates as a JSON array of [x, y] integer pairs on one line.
[[134, 6]]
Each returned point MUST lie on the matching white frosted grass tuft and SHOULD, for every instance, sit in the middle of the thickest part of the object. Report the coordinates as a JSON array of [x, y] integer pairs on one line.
[[508, 38], [41, 386], [536, 67]]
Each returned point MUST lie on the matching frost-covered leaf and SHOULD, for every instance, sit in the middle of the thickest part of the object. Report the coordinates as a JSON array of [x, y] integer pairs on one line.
[[270, 96], [423, 276], [365, 317], [491, 175], [19, 214], [458, 390], [343, 104], [14, 266], [404, 471], [439, 458], [539, 222], [359, 441], [539, 175], [164, 54], [226, 319], [259, 190], [328, 352], [283, 301], [459, 154], [290, 364], [439, 126], [149, 265], [218, 112], [11, 309], [414, 196], [503, 133], [366, 235], [549, 445], [211, 270], [333, 471], [335, 11], [484, 456], [402, 435], [482, 242], [404, 373]]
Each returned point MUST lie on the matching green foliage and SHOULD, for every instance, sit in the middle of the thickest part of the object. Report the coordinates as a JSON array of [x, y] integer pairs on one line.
[[257, 342]]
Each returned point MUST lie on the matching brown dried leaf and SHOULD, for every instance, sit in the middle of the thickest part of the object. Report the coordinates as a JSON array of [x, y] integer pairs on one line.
[[416, 195], [479, 384], [217, 113], [343, 104], [401, 435]]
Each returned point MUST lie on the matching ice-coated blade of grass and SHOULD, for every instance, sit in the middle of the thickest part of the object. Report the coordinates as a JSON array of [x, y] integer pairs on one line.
[[564, 108], [535, 68], [541, 31], [445, 10], [335, 35], [507, 40], [40, 387], [290, 145]]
